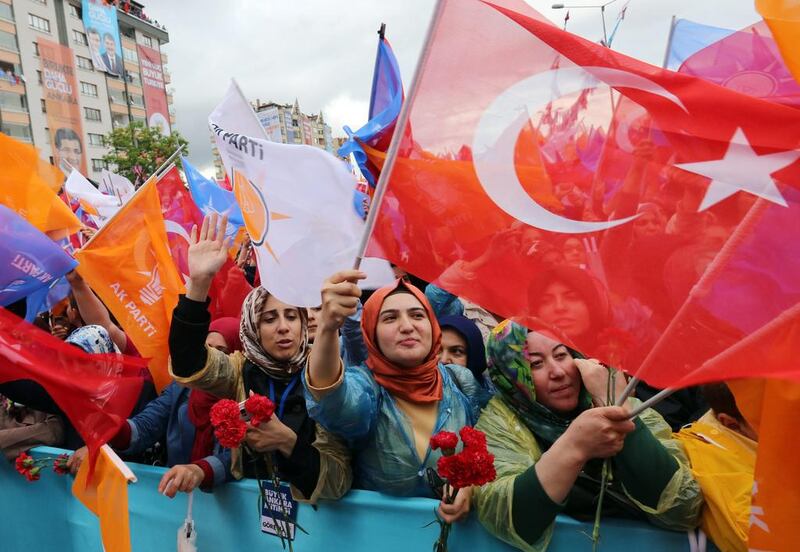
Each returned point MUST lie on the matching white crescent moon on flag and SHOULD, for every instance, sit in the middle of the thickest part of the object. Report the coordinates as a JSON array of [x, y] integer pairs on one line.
[[498, 130]]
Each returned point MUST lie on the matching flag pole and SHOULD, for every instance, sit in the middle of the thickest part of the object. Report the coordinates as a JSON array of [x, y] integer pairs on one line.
[[155, 175], [397, 136], [170, 160], [669, 42], [700, 288]]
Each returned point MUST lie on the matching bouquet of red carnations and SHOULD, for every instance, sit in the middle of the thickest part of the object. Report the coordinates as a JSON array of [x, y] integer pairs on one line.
[[473, 466]]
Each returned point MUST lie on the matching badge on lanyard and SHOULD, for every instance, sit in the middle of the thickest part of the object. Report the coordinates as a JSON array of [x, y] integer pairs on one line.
[[278, 511]]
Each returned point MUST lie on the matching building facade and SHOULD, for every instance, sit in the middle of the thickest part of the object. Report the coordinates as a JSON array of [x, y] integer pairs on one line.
[[104, 101], [287, 124]]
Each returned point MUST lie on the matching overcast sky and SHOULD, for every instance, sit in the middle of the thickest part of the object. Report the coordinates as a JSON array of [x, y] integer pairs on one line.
[[322, 52]]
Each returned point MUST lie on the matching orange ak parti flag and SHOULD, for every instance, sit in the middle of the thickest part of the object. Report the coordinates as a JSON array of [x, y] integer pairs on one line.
[[28, 186], [772, 407], [106, 495], [128, 264]]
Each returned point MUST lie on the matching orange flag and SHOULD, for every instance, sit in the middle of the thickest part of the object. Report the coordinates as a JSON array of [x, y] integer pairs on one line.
[[128, 264], [28, 186], [783, 19], [776, 490], [106, 495]]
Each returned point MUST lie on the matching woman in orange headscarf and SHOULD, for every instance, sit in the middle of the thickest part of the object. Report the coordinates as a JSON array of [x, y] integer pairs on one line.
[[388, 407]]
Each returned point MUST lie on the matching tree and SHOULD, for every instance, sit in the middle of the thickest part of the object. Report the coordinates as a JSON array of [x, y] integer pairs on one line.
[[136, 151]]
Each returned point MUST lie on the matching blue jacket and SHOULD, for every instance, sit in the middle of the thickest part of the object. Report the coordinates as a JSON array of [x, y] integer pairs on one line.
[[168, 415], [381, 436]]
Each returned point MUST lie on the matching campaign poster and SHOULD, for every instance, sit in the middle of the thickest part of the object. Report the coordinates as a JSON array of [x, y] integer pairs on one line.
[[270, 119], [102, 33], [60, 91], [308, 132], [155, 96]]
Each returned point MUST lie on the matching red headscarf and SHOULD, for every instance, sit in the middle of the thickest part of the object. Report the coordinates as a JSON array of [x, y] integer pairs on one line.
[[419, 384], [228, 328], [200, 402]]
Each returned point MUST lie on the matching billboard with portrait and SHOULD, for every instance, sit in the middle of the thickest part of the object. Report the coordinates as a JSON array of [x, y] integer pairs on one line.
[[60, 94], [102, 34]]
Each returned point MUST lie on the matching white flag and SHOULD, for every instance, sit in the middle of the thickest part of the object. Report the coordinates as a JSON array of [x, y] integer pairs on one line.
[[297, 204], [116, 185], [98, 205]]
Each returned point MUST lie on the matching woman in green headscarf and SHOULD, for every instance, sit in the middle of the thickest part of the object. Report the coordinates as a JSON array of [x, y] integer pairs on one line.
[[550, 430]]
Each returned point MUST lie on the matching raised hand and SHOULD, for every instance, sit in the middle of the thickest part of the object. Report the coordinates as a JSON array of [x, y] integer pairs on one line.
[[207, 253], [340, 295]]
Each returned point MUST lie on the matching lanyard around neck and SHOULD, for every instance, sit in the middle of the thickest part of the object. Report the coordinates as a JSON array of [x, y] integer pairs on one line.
[[282, 404]]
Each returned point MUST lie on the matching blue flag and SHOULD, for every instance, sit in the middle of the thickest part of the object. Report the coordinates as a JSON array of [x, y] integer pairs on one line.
[[29, 260], [384, 109], [688, 38], [210, 198]]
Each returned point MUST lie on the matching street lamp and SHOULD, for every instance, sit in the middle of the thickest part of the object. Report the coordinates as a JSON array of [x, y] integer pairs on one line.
[[602, 14]]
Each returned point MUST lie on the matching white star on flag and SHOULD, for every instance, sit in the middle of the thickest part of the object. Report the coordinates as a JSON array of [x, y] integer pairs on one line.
[[742, 170]]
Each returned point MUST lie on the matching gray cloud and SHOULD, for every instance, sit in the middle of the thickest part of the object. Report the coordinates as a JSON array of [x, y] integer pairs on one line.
[[322, 52]]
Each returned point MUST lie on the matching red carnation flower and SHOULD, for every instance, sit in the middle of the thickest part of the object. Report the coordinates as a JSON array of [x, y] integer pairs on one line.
[[472, 466], [33, 474], [230, 435], [445, 440], [260, 409], [60, 464], [229, 428], [24, 463], [224, 411], [473, 438]]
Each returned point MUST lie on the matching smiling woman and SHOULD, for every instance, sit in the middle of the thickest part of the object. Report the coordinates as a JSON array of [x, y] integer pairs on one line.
[[550, 431], [390, 405]]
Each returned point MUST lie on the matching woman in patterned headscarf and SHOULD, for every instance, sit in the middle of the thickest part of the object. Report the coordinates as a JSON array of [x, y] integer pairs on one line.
[[275, 348], [549, 430]]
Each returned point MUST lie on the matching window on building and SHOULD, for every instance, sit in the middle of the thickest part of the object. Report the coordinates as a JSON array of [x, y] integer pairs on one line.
[[8, 41], [130, 55], [38, 23], [84, 63], [89, 89], [16, 130], [147, 41], [12, 101], [96, 140], [6, 12], [47, 136], [44, 106], [119, 120], [98, 165], [39, 76], [36, 49], [134, 78], [116, 96], [79, 37], [91, 114], [136, 100], [75, 11]]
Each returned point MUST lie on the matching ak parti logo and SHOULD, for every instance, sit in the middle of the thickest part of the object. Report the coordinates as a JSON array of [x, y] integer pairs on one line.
[[254, 208]]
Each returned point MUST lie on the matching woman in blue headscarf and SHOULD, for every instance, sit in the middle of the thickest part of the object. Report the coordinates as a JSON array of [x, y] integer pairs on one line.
[[462, 344]]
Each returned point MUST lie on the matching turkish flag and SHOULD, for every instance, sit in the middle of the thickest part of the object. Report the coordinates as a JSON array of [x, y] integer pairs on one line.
[[96, 392], [708, 197]]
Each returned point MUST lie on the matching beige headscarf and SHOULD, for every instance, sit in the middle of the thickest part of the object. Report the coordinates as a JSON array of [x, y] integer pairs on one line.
[[251, 339]]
